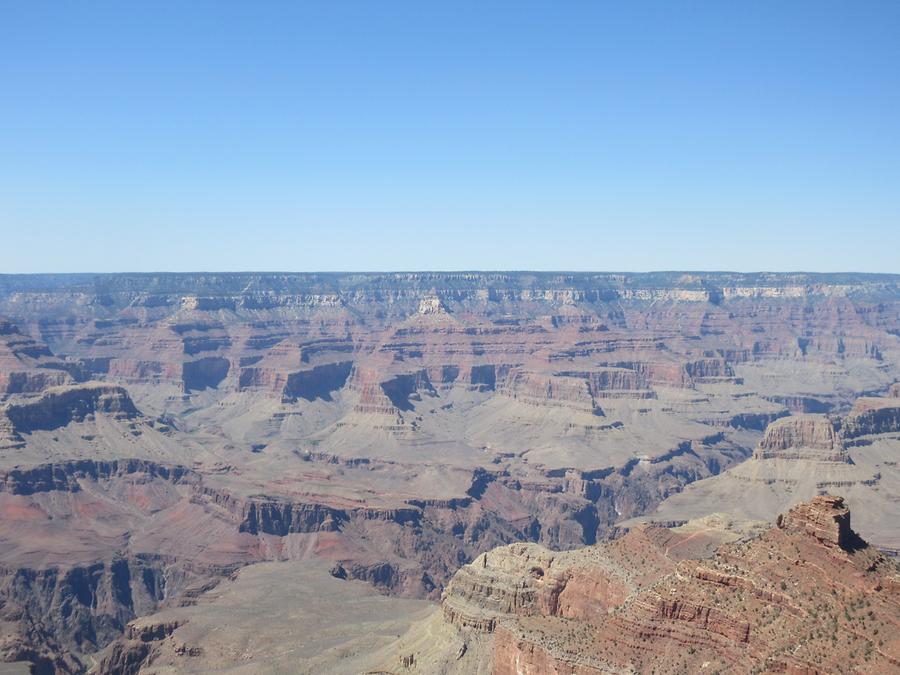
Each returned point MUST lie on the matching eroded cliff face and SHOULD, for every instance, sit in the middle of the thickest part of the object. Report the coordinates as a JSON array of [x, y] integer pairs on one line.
[[203, 331], [825, 518], [85, 607], [27, 365], [529, 580], [76, 593], [871, 415], [401, 425], [802, 436], [58, 406], [806, 596]]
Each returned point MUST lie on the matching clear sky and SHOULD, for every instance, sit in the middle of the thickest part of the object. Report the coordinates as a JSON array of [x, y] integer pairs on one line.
[[306, 136]]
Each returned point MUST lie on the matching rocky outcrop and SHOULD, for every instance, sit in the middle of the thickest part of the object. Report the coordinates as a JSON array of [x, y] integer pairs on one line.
[[389, 397], [82, 608], [801, 431], [28, 366], [65, 476], [36, 651], [802, 437], [147, 631], [26, 382], [483, 376], [432, 305], [529, 580], [710, 371], [614, 383], [872, 415], [657, 373], [800, 404], [147, 371], [126, 658], [278, 517], [268, 379], [60, 406], [402, 388], [826, 518], [515, 654], [372, 398], [519, 580], [549, 390], [806, 596], [139, 646]]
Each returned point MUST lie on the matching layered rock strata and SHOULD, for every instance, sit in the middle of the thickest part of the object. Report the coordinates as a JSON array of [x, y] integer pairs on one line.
[[802, 436], [805, 596]]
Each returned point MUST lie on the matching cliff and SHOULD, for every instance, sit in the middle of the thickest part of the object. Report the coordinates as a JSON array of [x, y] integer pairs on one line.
[[825, 518], [58, 406], [804, 436], [871, 415], [27, 365], [806, 596], [397, 426]]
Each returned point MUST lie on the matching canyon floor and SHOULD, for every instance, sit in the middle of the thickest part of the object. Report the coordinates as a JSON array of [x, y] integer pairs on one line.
[[302, 473]]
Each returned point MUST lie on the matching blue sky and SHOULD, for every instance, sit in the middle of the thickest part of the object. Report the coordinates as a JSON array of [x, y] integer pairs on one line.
[[310, 136]]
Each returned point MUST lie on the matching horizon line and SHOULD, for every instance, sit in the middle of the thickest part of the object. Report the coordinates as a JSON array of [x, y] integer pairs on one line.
[[453, 272]]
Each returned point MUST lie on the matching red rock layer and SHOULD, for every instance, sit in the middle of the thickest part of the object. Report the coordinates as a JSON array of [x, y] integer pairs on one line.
[[807, 596]]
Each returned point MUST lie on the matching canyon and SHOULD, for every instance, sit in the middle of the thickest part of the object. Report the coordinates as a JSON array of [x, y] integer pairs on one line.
[[803, 595], [547, 456]]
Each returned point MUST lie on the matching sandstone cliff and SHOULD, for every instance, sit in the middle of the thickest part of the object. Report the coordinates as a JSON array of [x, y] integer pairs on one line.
[[802, 436], [805, 596]]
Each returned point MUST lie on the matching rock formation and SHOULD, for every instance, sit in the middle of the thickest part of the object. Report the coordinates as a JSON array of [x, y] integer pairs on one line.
[[802, 436], [825, 518], [58, 406], [872, 415], [27, 365], [805, 596], [396, 427]]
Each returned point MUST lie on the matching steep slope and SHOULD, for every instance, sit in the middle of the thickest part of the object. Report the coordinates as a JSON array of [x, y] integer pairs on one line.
[[807, 595], [269, 618], [804, 455], [28, 365]]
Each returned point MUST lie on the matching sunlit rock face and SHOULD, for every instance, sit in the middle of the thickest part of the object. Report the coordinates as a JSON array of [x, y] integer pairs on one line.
[[752, 600], [160, 432]]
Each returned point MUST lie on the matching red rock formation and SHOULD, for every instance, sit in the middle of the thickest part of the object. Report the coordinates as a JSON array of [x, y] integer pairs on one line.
[[517, 655], [807, 596], [825, 518], [549, 390], [668, 330], [433, 360]]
